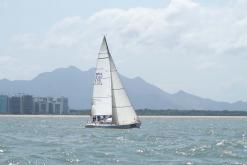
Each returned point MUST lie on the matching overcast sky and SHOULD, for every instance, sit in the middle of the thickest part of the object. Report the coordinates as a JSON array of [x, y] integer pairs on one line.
[[196, 46]]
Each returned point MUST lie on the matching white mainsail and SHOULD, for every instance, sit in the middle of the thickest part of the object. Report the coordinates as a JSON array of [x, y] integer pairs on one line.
[[102, 94], [109, 96], [123, 112]]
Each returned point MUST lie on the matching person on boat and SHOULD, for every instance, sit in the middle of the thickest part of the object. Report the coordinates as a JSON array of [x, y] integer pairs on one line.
[[98, 118], [94, 118]]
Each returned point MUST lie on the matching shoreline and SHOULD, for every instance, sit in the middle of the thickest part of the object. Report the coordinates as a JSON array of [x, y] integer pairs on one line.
[[86, 116]]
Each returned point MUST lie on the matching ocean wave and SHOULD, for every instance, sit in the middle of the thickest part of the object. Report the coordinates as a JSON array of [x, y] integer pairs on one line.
[[63, 141]]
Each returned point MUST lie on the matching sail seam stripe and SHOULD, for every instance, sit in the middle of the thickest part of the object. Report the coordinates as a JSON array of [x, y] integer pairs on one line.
[[123, 106], [106, 77], [103, 97], [100, 69], [103, 58], [117, 88]]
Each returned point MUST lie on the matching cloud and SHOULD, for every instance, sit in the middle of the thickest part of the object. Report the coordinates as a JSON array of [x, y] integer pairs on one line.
[[13, 68], [182, 25], [64, 33], [6, 59], [183, 42]]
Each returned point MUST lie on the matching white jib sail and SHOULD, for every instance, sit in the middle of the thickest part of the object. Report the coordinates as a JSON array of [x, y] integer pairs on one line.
[[102, 95], [122, 111]]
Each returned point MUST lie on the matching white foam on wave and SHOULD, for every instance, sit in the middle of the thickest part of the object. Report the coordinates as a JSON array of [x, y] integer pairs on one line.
[[221, 143], [140, 151], [189, 163], [181, 153], [13, 163], [123, 139], [76, 160], [200, 148], [228, 152], [107, 153]]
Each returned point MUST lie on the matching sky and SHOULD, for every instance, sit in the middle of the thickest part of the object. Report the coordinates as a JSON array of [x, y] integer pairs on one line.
[[199, 46]]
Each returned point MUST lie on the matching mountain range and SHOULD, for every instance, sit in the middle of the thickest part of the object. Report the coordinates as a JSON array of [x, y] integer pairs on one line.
[[77, 86]]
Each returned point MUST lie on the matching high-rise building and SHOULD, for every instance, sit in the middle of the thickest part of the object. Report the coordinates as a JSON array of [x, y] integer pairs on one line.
[[21, 104], [40, 105], [61, 105], [27, 104], [4, 104], [51, 105], [15, 104], [65, 104]]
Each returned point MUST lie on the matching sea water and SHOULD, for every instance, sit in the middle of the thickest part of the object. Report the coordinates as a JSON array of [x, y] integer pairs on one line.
[[63, 140]]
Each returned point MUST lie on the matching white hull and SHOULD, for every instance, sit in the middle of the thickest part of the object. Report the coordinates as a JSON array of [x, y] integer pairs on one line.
[[109, 125]]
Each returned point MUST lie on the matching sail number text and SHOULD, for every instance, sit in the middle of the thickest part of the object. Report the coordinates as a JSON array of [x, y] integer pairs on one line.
[[98, 78]]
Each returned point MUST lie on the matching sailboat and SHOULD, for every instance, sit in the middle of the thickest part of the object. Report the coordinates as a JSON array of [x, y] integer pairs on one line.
[[111, 107]]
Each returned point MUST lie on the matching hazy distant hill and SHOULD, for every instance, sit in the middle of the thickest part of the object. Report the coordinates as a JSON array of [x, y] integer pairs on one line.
[[77, 86]]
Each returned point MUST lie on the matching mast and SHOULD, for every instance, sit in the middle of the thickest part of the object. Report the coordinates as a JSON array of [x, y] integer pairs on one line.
[[102, 95]]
